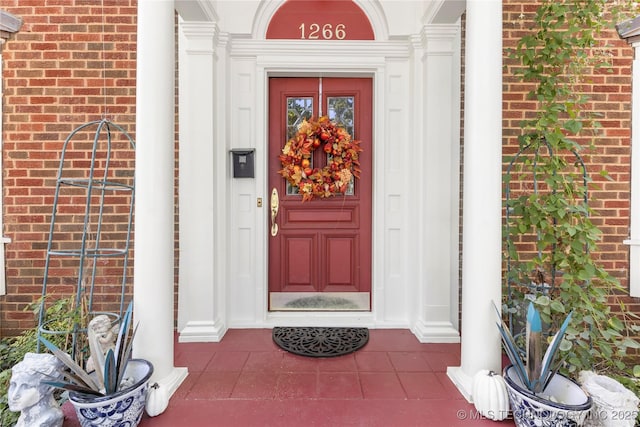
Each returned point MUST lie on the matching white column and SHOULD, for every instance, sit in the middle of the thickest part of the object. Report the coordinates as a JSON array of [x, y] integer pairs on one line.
[[154, 207], [481, 242], [634, 226]]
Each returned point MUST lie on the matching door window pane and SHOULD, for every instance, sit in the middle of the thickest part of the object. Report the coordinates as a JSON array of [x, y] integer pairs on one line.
[[340, 111], [298, 110]]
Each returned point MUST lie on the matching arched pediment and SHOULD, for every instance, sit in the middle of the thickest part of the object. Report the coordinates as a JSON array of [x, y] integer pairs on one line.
[[371, 10], [320, 19]]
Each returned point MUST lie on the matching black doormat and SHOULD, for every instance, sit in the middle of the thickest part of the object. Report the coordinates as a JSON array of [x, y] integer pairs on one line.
[[320, 342]]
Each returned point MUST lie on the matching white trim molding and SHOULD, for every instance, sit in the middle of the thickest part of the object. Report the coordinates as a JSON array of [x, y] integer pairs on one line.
[[3, 240], [9, 24], [634, 221]]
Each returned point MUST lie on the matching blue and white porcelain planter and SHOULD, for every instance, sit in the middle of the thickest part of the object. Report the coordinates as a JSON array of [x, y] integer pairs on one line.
[[123, 409], [564, 404]]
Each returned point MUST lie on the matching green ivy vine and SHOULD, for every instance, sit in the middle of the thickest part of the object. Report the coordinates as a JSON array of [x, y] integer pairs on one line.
[[549, 233]]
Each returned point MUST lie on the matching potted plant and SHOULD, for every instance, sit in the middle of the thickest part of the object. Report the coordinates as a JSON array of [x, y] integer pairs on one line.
[[538, 394], [115, 392]]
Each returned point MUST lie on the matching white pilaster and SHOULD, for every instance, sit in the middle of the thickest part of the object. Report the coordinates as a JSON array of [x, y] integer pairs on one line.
[[440, 162], [634, 226], [199, 314], [154, 207], [481, 258]]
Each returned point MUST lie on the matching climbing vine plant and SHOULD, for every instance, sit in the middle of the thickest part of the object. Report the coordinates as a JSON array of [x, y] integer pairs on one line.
[[549, 233]]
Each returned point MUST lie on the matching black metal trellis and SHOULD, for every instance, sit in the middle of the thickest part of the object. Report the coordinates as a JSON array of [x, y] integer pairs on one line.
[[95, 188], [539, 287]]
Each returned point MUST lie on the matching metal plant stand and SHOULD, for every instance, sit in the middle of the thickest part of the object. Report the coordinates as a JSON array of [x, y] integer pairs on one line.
[[91, 222]]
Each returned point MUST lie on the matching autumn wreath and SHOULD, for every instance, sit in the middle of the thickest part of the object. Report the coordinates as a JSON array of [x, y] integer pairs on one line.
[[342, 159]]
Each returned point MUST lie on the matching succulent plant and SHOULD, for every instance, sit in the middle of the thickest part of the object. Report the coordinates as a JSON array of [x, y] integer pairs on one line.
[[107, 380], [534, 369]]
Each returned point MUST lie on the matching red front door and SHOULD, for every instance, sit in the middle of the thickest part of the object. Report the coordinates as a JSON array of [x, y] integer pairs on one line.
[[320, 255]]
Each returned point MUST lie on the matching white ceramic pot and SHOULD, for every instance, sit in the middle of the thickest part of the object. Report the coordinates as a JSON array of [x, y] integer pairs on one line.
[[122, 409], [564, 403]]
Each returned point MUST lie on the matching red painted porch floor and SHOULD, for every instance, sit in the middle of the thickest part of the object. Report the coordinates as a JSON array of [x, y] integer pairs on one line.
[[247, 380]]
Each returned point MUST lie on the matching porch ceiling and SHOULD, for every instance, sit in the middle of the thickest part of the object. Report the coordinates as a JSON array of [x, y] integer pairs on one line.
[[444, 11]]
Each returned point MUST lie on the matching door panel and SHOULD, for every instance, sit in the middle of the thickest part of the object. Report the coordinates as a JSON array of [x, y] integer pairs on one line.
[[340, 265], [299, 275], [320, 257]]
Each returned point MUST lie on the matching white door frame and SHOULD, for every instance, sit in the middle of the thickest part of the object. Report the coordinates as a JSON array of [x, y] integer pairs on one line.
[[223, 105]]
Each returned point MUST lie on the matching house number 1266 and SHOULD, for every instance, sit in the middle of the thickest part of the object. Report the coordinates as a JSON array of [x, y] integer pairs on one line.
[[326, 32]]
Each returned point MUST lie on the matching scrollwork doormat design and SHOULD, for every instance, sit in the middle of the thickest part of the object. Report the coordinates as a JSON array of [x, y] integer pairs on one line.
[[320, 341]]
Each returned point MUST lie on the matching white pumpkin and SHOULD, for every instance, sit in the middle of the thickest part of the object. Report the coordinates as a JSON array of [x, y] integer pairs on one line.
[[490, 395], [157, 400]]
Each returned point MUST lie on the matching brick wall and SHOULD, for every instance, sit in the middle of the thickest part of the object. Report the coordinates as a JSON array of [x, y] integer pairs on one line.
[[72, 62], [609, 90]]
